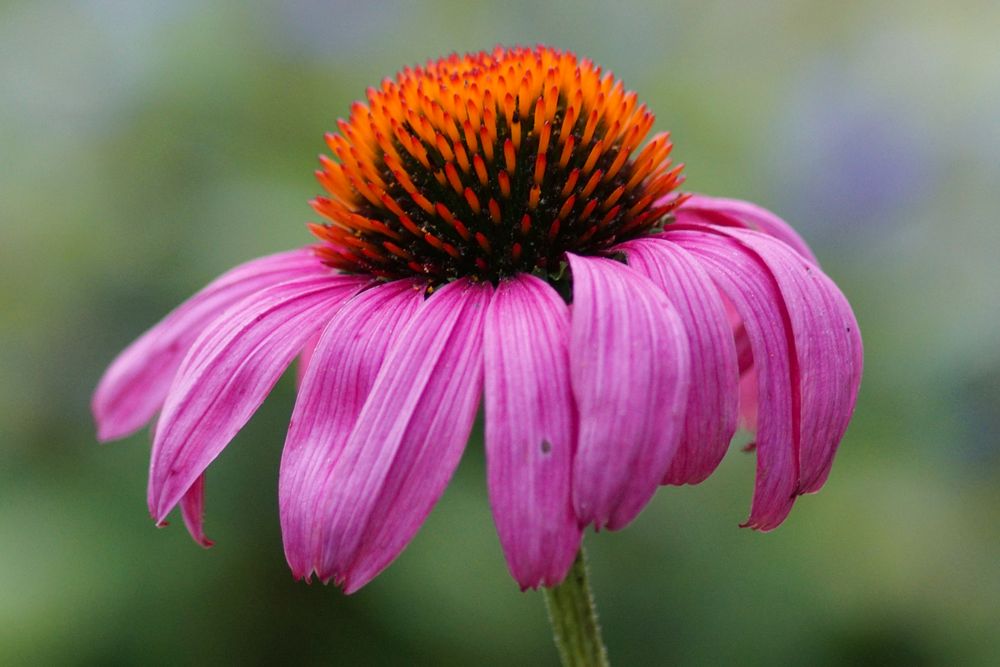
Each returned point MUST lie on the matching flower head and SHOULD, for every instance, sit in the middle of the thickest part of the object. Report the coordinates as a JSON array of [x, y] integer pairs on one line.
[[495, 231]]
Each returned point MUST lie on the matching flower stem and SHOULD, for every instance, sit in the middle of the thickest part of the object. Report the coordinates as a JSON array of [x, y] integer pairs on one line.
[[574, 619]]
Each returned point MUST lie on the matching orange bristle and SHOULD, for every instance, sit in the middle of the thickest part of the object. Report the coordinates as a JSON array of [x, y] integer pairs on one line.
[[472, 200], [571, 181], [509, 156], [420, 168]]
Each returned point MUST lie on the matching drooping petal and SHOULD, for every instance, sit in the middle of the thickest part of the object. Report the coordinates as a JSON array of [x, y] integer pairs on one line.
[[135, 384], [193, 511], [337, 380], [828, 349], [712, 405], [748, 376], [701, 209], [748, 399], [753, 293], [629, 364], [530, 429], [806, 352], [228, 372], [408, 438]]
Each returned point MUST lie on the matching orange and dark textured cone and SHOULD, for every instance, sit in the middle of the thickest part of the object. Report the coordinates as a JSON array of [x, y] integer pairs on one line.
[[491, 164]]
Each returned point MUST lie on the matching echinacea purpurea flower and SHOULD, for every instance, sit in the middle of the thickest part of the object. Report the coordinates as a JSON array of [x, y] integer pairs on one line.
[[495, 229]]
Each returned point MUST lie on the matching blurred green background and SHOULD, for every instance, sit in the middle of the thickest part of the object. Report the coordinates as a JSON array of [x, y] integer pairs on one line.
[[147, 147]]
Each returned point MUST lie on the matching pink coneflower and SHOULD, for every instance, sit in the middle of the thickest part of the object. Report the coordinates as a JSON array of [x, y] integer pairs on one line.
[[492, 232]]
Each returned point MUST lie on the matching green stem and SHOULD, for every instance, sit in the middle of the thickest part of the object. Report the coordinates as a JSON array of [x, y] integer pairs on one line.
[[574, 619]]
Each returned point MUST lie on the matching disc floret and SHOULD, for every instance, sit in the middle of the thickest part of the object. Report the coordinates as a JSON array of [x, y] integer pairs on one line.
[[491, 164]]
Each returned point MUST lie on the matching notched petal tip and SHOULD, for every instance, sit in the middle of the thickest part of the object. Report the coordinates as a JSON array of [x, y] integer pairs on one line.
[[204, 542], [770, 518]]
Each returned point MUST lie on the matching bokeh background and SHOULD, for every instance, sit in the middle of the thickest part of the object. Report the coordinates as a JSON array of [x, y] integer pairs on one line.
[[147, 147]]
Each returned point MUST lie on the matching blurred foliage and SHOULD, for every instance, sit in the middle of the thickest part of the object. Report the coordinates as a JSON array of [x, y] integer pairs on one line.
[[149, 146]]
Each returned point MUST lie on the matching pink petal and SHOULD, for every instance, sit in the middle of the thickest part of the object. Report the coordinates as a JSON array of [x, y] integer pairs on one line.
[[753, 293], [193, 511], [712, 405], [228, 372], [629, 363], [807, 357], [748, 399], [305, 356], [828, 349], [748, 376], [408, 438], [347, 356], [741, 214], [530, 420], [135, 384]]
